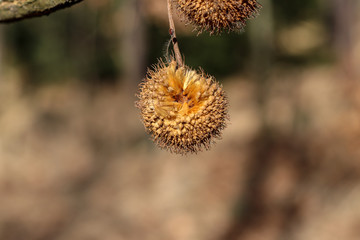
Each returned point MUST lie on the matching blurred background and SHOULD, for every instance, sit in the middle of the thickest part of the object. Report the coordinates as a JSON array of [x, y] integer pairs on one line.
[[76, 163]]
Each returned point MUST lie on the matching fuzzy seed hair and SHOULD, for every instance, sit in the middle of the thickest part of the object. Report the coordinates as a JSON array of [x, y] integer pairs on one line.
[[182, 109], [216, 16]]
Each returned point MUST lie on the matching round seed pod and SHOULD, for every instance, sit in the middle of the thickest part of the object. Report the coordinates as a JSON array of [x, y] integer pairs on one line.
[[217, 15], [182, 109]]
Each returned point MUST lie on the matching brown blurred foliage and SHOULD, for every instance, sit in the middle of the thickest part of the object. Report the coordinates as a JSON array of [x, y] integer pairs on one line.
[[75, 162]]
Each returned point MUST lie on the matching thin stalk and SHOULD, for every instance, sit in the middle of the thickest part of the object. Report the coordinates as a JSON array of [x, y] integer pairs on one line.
[[173, 35]]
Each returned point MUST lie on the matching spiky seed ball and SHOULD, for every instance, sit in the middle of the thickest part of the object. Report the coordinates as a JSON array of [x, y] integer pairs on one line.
[[217, 15], [183, 110]]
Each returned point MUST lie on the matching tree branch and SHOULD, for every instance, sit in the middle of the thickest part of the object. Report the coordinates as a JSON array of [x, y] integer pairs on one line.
[[14, 10]]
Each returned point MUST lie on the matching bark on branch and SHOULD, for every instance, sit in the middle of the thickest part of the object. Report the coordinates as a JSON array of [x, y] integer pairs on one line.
[[14, 10]]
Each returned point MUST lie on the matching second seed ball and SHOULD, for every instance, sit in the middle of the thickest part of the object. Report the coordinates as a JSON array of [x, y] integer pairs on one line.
[[217, 15]]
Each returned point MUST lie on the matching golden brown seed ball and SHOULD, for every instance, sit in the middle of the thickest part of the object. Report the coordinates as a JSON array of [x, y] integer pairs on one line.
[[182, 109], [217, 15]]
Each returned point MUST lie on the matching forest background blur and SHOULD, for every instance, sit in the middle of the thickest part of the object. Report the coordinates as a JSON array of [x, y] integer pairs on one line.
[[76, 163]]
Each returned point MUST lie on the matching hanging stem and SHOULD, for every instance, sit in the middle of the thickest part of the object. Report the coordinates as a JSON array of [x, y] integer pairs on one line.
[[173, 35]]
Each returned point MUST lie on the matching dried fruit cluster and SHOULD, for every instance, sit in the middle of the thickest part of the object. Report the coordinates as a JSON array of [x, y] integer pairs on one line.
[[182, 109], [217, 15], [185, 110]]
